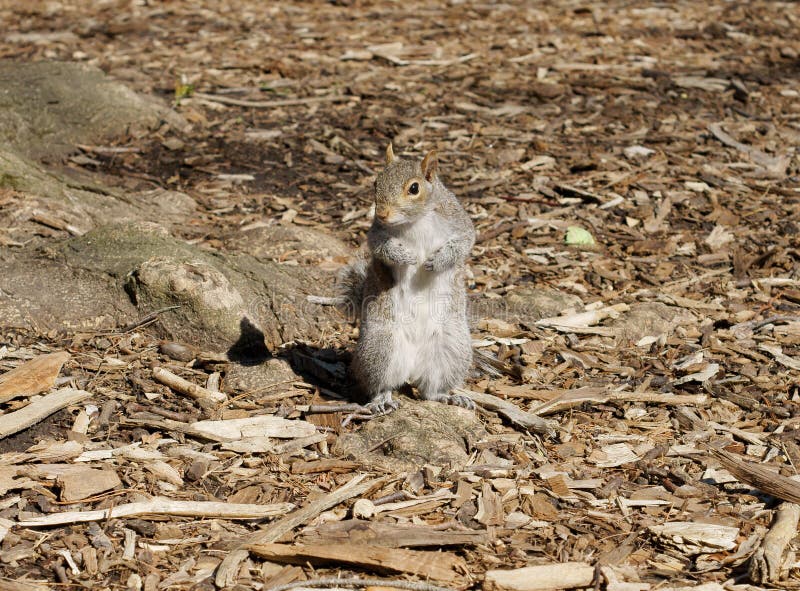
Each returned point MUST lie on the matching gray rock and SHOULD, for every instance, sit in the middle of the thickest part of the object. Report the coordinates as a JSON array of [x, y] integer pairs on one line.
[[258, 377], [650, 319], [417, 433]]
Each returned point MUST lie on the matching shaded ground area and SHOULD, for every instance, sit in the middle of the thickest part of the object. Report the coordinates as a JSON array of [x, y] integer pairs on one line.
[[667, 131]]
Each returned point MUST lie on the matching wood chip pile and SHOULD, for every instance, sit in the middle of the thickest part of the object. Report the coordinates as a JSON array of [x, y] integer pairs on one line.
[[634, 164]]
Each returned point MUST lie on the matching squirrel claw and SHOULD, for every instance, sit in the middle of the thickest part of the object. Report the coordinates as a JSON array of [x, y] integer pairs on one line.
[[382, 404], [454, 399], [461, 400]]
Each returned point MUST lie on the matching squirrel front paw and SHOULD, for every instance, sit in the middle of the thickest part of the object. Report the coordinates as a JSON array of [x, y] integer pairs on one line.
[[382, 404], [398, 253], [438, 261]]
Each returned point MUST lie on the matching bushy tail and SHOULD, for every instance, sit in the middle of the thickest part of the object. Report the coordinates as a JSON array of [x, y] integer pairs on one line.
[[349, 286]]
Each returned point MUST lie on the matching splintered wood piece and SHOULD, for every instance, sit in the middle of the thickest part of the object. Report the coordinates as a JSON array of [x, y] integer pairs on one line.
[[32, 377], [697, 538], [389, 535], [766, 562], [490, 507], [186, 387], [229, 567], [572, 399], [37, 410], [583, 319], [777, 353], [51, 451], [418, 506], [761, 477], [510, 411], [160, 506], [439, 566], [258, 426], [253, 432], [542, 577], [286, 574], [558, 485]]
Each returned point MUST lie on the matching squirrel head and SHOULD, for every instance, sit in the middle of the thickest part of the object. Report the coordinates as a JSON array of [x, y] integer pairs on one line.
[[403, 188]]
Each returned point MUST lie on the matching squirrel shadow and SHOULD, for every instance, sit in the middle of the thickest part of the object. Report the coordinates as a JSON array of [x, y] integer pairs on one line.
[[325, 367], [250, 348]]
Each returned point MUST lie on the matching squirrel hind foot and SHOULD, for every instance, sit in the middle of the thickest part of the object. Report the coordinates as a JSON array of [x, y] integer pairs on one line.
[[452, 399], [382, 404]]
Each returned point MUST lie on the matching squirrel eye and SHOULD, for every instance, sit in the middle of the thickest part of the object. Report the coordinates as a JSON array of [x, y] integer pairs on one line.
[[413, 189]]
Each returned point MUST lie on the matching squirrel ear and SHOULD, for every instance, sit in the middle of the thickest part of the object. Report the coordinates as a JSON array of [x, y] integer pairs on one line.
[[429, 165], [389, 154]]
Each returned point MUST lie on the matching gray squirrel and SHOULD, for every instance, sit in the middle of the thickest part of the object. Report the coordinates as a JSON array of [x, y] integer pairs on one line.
[[408, 288]]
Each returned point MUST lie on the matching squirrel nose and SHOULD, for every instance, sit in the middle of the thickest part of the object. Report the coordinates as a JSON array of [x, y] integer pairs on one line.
[[383, 212]]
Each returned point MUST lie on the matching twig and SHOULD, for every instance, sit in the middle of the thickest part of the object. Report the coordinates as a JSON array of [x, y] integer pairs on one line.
[[270, 104], [229, 567], [328, 408], [510, 411], [356, 582], [178, 384], [364, 414], [149, 318], [401, 62], [37, 410], [46, 219], [162, 506]]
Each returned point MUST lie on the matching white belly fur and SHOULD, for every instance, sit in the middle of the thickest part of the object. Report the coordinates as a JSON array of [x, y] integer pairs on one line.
[[419, 298]]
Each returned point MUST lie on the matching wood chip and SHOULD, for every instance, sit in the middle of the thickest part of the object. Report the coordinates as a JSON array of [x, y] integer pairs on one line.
[[86, 482], [438, 566], [544, 577], [32, 377], [228, 568], [39, 409]]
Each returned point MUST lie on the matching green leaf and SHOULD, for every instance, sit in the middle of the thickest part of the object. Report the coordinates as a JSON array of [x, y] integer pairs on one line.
[[577, 236]]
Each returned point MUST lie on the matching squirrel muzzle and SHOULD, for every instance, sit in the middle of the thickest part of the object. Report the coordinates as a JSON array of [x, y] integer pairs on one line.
[[385, 213]]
